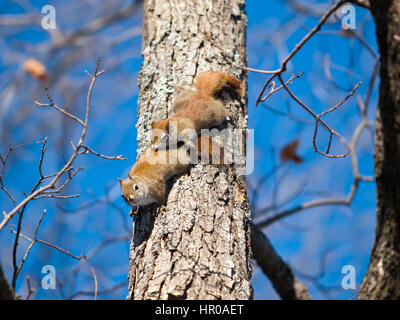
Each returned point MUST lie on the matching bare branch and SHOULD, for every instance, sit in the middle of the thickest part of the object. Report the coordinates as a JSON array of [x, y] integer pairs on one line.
[[68, 164], [94, 276], [86, 149], [31, 290], [335, 201], [331, 132], [275, 268], [46, 243], [52, 104], [16, 20], [272, 85], [100, 292], [21, 264]]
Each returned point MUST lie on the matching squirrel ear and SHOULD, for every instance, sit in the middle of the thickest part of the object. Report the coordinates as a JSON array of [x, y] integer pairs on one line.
[[152, 125], [120, 181]]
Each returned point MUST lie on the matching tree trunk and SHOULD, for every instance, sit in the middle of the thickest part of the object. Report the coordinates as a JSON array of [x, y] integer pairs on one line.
[[6, 293], [197, 246], [382, 280]]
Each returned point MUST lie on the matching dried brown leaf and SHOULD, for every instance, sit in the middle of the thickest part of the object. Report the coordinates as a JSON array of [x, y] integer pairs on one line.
[[289, 152], [36, 69]]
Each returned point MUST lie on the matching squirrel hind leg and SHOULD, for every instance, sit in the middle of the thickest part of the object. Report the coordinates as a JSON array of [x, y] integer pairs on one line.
[[218, 112]]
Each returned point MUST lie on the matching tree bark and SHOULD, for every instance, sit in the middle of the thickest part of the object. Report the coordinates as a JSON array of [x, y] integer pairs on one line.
[[197, 246], [382, 280], [6, 292]]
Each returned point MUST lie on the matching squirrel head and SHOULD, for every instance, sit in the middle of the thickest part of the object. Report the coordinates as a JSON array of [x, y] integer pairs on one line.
[[137, 191]]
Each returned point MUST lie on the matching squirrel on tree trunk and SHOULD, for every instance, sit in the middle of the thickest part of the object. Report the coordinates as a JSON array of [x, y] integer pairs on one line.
[[195, 109]]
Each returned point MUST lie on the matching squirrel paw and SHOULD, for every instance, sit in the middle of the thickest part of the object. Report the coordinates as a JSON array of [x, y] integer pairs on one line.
[[133, 212]]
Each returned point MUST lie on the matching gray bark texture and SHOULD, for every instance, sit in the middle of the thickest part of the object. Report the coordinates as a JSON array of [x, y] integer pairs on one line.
[[382, 280], [197, 246]]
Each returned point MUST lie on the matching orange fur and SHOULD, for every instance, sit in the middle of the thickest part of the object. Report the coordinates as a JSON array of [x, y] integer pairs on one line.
[[199, 109], [195, 109], [153, 169], [211, 82]]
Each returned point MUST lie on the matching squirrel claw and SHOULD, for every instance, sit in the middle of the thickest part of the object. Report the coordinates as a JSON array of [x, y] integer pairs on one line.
[[133, 212]]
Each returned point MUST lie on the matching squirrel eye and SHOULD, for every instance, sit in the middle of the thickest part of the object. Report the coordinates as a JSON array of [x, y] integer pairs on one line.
[[135, 187]]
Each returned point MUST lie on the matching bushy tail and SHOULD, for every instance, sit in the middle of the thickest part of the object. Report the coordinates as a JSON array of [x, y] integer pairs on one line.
[[212, 82]]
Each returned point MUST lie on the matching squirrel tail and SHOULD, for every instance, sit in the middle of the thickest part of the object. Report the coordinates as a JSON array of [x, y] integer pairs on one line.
[[212, 82]]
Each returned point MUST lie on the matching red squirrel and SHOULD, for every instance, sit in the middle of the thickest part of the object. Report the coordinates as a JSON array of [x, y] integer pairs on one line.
[[146, 181], [195, 109]]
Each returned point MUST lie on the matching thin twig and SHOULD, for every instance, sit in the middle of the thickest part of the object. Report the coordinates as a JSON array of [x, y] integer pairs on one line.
[[15, 275], [94, 276], [68, 164], [52, 104], [49, 244], [317, 118], [86, 149]]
